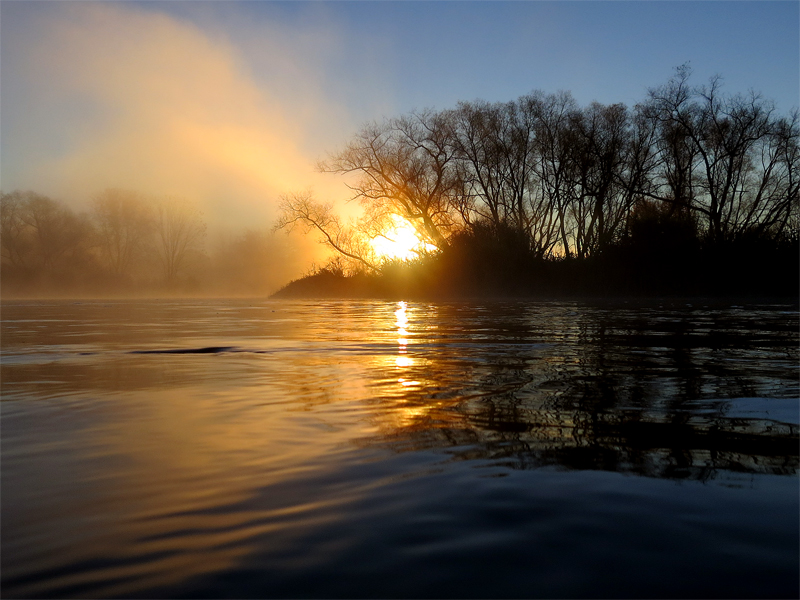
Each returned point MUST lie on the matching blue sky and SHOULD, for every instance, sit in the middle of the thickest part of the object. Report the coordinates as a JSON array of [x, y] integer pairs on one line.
[[234, 102], [436, 53]]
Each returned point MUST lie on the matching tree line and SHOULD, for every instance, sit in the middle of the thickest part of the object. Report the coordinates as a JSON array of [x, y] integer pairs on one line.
[[127, 243], [689, 168]]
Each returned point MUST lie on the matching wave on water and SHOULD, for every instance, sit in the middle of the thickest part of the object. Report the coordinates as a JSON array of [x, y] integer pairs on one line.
[[204, 350]]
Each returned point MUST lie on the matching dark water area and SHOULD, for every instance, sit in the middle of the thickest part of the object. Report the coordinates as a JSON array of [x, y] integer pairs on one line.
[[206, 448]]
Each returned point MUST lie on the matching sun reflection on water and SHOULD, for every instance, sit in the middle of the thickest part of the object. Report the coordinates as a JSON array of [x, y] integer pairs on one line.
[[401, 315], [403, 360]]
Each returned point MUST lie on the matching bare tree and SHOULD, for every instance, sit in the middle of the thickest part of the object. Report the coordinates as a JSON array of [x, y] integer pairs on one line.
[[300, 209], [57, 231], [772, 202], [477, 132], [407, 168], [124, 224], [16, 236], [554, 163], [728, 158], [497, 147], [600, 207], [181, 230]]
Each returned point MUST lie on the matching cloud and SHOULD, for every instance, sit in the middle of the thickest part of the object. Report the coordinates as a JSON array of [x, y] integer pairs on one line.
[[103, 95]]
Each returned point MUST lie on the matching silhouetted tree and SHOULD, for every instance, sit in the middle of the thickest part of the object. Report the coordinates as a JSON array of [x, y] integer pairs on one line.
[[476, 130], [600, 205], [541, 217], [406, 167], [554, 166], [774, 206], [300, 209], [727, 158], [496, 147]]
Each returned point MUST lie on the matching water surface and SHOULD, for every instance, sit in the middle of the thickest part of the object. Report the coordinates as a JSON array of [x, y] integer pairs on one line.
[[207, 448]]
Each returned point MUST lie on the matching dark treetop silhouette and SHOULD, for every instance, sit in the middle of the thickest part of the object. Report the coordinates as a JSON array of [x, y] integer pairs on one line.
[[688, 192]]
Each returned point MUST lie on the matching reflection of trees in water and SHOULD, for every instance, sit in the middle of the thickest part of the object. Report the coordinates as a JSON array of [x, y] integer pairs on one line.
[[618, 391]]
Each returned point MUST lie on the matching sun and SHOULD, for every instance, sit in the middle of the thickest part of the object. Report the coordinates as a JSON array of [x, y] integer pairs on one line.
[[399, 241]]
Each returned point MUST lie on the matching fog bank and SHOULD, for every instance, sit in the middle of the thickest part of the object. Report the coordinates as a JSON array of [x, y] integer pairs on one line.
[[101, 95]]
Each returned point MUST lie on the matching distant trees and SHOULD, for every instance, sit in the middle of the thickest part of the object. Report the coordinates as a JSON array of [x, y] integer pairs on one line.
[[180, 231], [40, 234], [124, 227], [127, 243], [16, 239], [250, 262], [242, 263], [45, 244]]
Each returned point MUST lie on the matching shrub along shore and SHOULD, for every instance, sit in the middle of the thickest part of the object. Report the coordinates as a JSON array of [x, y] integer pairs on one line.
[[644, 267]]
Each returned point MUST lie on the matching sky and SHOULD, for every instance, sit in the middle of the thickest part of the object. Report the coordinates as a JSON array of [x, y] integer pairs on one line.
[[232, 104]]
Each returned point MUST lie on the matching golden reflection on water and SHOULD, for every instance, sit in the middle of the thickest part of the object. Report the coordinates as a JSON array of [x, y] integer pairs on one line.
[[169, 454], [186, 461], [401, 322], [403, 360]]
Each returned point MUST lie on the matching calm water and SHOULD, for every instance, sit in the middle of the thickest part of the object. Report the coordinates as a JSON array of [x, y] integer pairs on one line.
[[328, 449]]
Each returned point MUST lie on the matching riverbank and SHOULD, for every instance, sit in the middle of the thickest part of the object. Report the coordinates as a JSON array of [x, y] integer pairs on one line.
[[613, 276]]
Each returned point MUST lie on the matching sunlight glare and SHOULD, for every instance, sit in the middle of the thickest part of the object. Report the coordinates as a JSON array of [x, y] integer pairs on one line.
[[402, 360], [400, 242]]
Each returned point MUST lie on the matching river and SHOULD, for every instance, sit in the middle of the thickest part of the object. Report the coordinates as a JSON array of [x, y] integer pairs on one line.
[[257, 448]]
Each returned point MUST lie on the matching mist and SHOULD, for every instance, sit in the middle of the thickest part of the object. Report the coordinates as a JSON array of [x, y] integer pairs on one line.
[[100, 96], [133, 245]]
